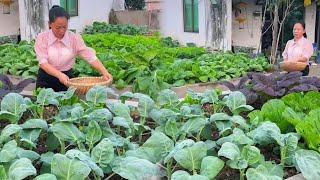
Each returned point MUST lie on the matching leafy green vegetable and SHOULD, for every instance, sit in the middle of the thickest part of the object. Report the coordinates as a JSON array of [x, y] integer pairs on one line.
[[97, 95], [8, 152], [64, 168], [236, 102], [12, 107], [22, 153], [154, 149], [47, 97], [167, 98], [309, 129], [99, 115], [35, 124], [272, 111], [190, 157], [102, 27], [103, 153], [194, 125], [210, 96], [295, 101], [100, 140], [46, 177], [238, 137], [121, 110], [47, 157], [229, 150], [145, 104], [251, 154], [224, 122], [151, 66], [288, 149], [93, 134], [182, 175], [21, 169], [179, 146], [161, 116], [19, 59], [248, 156], [266, 133], [308, 162], [149, 63], [135, 168], [9, 130], [261, 173], [67, 132], [211, 166], [30, 136], [171, 129], [85, 158], [311, 100]]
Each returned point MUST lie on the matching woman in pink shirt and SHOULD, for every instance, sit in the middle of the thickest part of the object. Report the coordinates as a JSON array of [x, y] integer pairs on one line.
[[299, 49], [56, 50]]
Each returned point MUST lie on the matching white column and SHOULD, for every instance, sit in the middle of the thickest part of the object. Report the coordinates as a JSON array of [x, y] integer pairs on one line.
[[34, 17], [219, 24], [118, 5], [310, 20], [228, 36]]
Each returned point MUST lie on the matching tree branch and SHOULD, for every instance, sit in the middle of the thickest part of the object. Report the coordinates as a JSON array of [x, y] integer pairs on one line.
[[287, 12], [263, 33], [262, 25]]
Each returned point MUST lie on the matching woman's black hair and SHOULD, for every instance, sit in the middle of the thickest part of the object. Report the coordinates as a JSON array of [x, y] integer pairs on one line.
[[304, 27], [57, 11]]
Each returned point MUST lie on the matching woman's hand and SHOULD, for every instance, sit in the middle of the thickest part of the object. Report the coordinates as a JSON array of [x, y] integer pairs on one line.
[[63, 78], [107, 77], [99, 66]]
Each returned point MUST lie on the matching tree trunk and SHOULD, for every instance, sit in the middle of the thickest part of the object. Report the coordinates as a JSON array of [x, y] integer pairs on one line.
[[263, 24], [34, 17], [275, 30]]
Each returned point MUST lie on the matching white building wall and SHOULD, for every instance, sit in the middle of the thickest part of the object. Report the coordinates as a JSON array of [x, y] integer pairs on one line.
[[9, 23], [89, 11], [250, 35], [171, 22], [310, 20]]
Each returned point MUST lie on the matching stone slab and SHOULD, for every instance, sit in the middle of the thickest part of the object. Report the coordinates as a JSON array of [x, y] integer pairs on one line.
[[296, 177]]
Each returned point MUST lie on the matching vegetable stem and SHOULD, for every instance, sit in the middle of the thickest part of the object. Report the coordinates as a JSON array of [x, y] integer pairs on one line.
[[169, 169], [199, 135], [119, 152], [62, 147], [96, 177], [142, 121], [109, 177], [241, 174]]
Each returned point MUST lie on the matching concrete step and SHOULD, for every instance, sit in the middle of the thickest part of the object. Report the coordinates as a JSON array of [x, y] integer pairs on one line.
[[296, 177]]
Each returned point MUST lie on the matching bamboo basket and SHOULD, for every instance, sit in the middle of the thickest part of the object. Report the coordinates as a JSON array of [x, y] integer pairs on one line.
[[292, 66], [83, 84]]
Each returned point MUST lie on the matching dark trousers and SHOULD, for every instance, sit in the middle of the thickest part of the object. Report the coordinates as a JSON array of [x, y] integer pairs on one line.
[[45, 80], [305, 72]]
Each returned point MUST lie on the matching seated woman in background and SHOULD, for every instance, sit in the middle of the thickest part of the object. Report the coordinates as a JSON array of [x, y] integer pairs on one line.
[[299, 49], [56, 50]]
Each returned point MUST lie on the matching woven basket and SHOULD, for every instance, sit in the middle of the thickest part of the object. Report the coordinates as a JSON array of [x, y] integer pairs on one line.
[[83, 84], [293, 66]]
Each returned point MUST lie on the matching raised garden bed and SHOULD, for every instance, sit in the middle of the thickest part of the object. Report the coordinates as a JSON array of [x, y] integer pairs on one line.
[[202, 136]]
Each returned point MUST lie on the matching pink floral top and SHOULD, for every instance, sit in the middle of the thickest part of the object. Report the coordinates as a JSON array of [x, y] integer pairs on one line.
[[61, 54], [298, 49]]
